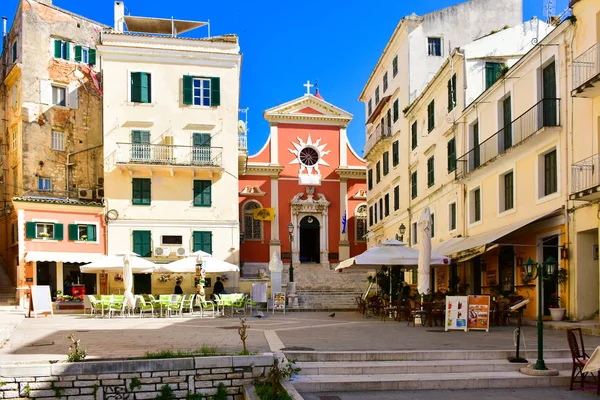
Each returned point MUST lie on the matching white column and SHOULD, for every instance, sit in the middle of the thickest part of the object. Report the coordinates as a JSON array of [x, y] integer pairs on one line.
[[274, 145], [275, 205], [343, 148]]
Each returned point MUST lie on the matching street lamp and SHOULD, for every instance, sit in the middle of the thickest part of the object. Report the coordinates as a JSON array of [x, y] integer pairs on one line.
[[542, 271], [291, 232], [401, 231]]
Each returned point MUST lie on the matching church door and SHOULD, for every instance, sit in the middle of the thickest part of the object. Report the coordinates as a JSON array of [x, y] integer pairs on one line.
[[309, 240]]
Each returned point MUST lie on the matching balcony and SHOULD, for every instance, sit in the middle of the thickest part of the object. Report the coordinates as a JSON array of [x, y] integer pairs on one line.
[[380, 134], [586, 73], [585, 179], [139, 156], [544, 114], [242, 152]]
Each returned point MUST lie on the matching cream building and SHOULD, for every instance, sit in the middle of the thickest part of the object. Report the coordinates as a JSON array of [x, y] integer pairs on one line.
[[584, 159], [170, 142]]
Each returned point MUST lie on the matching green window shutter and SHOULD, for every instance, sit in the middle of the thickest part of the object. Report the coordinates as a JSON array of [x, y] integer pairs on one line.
[[58, 231], [451, 154], [207, 193], [141, 191], [30, 230], [370, 179], [73, 232], [202, 240], [395, 153], [396, 198], [145, 95], [188, 90], [450, 107], [142, 243], [57, 48], [136, 137], [430, 172], [396, 110], [378, 171], [91, 233], [78, 53], [202, 193], [67, 50], [431, 116], [387, 204], [413, 182], [201, 139], [136, 87], [386, 163], [215, 91], [92, 57], [454, 94], [413, 136]]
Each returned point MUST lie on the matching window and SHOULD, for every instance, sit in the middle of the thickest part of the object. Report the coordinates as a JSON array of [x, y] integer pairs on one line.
[[550, 173], [202, 193], [387, 204], [201, 91], [59, 96], [252, 227], [476, 159], [452, 93], [414, 233], [389, 122], [505, 139], [493, 72], [386, 163], [371, 216], [432, 225], [413, 185], [413, 136], [82, 232], [361, 223], [82, 54], [370, 107], [396, 112], [370, 179], [14, 139], [141, 192], [378, 171], [142, 243], [430, 171], [475, 198], [385, 82], [451, 146], [14, 54], [140, 145], [202, 240], [452, 216], [507, 191], [172, 240], [380, 209], [141, 90], [376, 213], [395, 66], [44, 184], [62, 49], [395, 153], [57, 141], [431, 116], [43, 230], [376, 96], [434, 46], [397, 198]]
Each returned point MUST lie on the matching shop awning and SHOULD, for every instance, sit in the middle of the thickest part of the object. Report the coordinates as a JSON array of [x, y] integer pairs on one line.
[[62, 256], [463, 249]]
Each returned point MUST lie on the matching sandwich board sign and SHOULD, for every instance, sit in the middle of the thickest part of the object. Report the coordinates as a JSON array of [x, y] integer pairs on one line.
[[456, 312], [41, 301]]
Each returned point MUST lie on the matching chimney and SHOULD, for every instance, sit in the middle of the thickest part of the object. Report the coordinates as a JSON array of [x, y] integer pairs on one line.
[[119, 16], [4, 27]]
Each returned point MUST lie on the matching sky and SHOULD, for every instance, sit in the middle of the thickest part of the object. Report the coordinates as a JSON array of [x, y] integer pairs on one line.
[[286, 43]]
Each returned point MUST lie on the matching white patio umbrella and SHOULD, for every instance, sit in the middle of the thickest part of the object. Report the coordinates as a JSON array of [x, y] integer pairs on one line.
[[129, 300], [209, 264], [115, 263], [424, 225]]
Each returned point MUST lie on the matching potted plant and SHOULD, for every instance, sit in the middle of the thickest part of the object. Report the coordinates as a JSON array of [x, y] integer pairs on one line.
[[557, 312], [44, 235]]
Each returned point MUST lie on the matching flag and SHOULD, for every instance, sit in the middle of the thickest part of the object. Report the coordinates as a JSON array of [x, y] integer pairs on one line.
[[264, 214], [344, 221]]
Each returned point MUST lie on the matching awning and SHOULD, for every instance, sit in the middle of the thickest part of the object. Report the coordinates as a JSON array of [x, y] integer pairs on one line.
[[62, 256], [160, 25], [463, 249]]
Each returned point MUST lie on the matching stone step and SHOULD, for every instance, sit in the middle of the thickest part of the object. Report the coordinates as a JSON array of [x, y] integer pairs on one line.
[[420, 367], [468, 380], [417, 355]]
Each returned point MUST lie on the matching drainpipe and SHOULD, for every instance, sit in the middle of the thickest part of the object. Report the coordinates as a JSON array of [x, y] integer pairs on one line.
[[69, 164]]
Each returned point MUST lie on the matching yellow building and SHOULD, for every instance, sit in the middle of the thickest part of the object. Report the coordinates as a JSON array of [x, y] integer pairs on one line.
[[584, 159]]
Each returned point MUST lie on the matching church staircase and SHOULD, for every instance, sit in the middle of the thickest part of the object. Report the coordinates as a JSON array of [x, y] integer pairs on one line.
[[320, 288]]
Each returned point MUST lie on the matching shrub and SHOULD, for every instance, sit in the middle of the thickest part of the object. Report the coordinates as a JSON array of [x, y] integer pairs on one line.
[[76, 353], [166, 393]]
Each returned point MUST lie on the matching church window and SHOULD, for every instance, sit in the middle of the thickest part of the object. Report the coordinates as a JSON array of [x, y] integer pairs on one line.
[[360, 218], [309, 156], [201, 91], [252, 227]]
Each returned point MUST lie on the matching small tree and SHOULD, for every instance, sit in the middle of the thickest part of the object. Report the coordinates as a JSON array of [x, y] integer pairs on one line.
[[277, 373], [243, 335], [75, 353]]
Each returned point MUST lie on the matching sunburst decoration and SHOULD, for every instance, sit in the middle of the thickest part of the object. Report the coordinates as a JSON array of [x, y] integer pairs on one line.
[[309, 155]]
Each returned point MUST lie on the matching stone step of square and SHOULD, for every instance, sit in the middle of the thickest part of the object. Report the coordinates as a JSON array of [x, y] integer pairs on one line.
[[447, 381]]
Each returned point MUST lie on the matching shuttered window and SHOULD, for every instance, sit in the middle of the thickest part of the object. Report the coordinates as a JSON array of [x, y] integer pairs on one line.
[[141, 191], [386, 163], [387, 204], [413, 185], [397, 198], [395, 153], [62, 49], [371, 216], [378, 171], [550, 173], [201, 91], [452, 216], [451, 155], [452, 93], [142, 243], [396, 111], [430, 171], [82, 232], [202, 193], [493, 71], [202, 241], [413, 136], [370, 179], [508, 191], [140, 87], [431, 116], [395, 66], [44, 230]]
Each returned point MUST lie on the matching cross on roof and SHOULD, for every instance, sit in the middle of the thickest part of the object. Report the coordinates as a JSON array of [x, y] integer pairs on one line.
[[307, 85]]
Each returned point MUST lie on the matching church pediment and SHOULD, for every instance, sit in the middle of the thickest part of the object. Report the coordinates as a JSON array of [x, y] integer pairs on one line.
[[308, 109]]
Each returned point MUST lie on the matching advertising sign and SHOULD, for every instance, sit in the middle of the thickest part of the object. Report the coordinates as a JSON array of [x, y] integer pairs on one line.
[[479, 313], [456, 312]]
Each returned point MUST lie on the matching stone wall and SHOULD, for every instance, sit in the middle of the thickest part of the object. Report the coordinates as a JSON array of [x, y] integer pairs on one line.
[[112, 379]]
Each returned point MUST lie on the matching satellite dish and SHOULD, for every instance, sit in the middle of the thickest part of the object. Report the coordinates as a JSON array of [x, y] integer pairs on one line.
[[241, 126]]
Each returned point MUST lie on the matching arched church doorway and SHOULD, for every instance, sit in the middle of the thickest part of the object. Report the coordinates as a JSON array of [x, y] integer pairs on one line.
[[309, 240]]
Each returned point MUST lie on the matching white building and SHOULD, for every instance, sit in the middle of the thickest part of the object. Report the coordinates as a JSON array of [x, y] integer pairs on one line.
[[170, 141]]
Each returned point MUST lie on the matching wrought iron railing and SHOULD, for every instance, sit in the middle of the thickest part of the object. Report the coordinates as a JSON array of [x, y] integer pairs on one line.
[[546, 113], [586, 66], [134, 153], [381, 132], [242, 141], [585, 174]]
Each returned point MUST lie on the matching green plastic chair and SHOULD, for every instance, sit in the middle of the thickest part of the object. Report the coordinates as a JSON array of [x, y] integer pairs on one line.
[[188, 303], [239, 303], [206, 307], [96, 305], [145, 306], [175, 305]]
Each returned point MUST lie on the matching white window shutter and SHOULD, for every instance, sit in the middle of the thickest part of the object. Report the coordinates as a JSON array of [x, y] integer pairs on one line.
[[73, 96], [45, 92]]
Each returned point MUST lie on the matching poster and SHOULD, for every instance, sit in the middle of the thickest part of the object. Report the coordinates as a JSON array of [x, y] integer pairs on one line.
[[479, 313], [456, 312], [279, 301]]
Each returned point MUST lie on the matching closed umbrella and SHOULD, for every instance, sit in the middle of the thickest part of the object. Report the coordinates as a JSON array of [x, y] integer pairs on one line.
[[425, 250], [129, 300]]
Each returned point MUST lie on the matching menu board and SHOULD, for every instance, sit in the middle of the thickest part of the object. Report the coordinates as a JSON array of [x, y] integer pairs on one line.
[[479, 313], [41, 301], [456, 312], [279, 301], [259, 292]]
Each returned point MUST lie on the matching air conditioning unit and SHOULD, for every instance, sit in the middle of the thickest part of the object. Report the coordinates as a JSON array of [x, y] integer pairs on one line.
[[182, 251], [86, 194], [99, 193], [162, 251]]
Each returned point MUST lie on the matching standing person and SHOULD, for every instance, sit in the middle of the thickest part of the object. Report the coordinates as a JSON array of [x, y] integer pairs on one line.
[[218, 288], [178, 289]]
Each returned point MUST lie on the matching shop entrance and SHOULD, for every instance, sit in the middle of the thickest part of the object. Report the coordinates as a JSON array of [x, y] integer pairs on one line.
[[550, 248], [46, 275], [310, 237], [142, 283]]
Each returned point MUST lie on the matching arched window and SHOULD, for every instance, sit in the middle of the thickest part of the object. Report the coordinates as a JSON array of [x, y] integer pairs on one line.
[[252, 228], [360, 220]]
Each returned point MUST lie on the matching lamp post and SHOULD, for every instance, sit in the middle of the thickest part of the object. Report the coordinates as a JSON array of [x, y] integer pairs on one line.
[[542, 272], [291, 232], [401, 231]]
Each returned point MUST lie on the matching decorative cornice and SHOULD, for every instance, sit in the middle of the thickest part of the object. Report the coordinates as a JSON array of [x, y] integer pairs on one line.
[[361, 194], [264, 170], [288, 112], [252, 191], [429, 150], [352, 172]]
